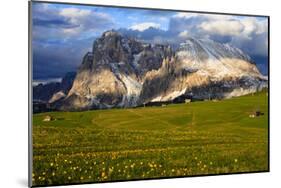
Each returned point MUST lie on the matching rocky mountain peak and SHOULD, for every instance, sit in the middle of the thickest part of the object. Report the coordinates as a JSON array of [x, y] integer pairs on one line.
[[112, 47], [124, 72]]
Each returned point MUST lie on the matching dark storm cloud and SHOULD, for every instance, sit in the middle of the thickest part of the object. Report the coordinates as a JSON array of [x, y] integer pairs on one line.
[[53, 23], [61, 36], [54, 59], [68, 22]]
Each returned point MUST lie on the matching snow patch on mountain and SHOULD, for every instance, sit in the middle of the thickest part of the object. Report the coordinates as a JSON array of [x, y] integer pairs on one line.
[[133, 90], [136, 60], [170, 96]]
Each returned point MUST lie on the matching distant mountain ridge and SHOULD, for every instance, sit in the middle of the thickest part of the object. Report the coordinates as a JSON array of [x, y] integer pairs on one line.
[[124, 72], [45, 92]]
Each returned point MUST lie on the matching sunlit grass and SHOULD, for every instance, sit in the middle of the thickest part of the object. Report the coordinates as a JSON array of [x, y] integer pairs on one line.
[[175, 140]]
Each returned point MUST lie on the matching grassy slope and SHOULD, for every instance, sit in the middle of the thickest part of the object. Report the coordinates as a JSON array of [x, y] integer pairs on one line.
[[175, 140]]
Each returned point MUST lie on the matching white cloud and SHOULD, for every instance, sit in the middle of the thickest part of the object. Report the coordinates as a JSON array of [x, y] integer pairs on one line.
[[253, 26], [218, 17], [144, 26], [226, 25], [69, 22], [246, 33], [74, 12], [183, 34], [86, 20], [72, 31], [185, 15], [223, 27]]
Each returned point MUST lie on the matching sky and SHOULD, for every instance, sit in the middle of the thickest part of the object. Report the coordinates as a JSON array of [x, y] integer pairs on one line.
[[63, 33]]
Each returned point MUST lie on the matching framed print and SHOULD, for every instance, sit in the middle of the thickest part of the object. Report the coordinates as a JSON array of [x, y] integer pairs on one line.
[[127, 93]]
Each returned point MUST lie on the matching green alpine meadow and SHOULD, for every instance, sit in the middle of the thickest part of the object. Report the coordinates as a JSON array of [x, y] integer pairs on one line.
[[198, 138]]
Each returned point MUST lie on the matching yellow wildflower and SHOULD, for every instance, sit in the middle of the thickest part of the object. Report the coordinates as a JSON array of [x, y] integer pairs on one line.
[[102, 174]]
